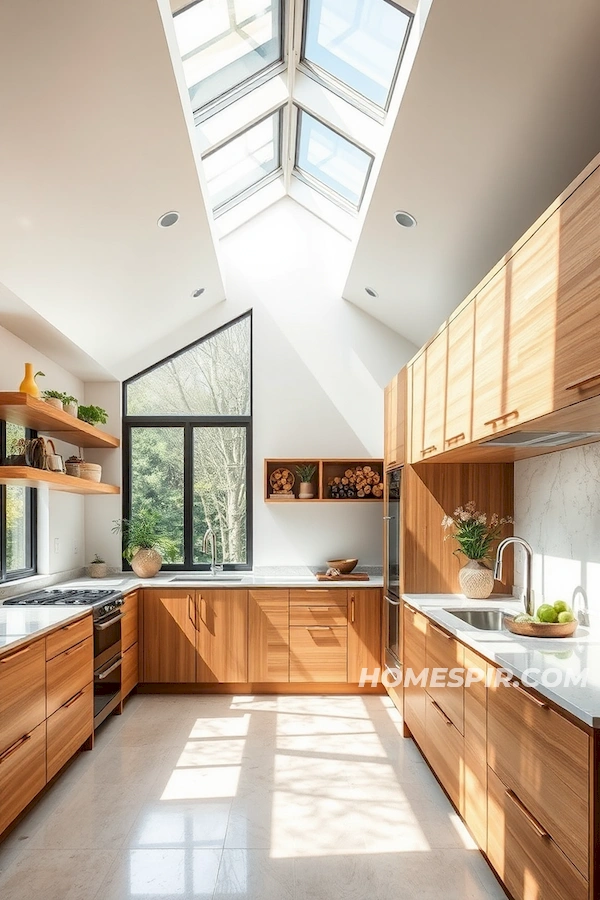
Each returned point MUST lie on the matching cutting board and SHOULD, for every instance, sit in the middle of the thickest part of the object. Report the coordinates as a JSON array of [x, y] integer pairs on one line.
[[356, 576]]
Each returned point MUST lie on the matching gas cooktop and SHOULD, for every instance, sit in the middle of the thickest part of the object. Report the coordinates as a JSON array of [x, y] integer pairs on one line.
[[61, 597]]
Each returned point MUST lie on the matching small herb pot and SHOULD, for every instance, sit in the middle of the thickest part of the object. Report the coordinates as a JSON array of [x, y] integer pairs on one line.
[[54, 401]]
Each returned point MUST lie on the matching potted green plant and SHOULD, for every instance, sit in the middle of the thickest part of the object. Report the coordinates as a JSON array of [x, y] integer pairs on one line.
[[54, 398], [71, 405], [305, 473], [98, 567], [145, 543], [475, 535], [93, 415]]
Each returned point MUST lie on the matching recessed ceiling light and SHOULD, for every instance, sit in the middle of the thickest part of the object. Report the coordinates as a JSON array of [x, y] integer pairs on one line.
[[405, 219], [371, 292], [169, 218], [198, 292]]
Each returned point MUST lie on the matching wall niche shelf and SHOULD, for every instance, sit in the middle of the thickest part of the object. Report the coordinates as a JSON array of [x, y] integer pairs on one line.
[[27, 476], [327, 470], [21, 409]]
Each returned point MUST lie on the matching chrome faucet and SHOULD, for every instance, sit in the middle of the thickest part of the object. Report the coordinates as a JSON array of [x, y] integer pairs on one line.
[[209, 535], [528, 593]]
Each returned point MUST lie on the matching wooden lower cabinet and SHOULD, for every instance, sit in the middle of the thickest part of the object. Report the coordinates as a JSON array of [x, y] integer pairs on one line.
[[68, 635], [364, 632], [68, 728], [22, 692], [444, 652], [129, 624], [415, 627], [129, 670], [528, 861], [169, 636], [268, 636], [22, 773], [474, 805], [68, 673], [318, 653], [221, 636], [444, 750]]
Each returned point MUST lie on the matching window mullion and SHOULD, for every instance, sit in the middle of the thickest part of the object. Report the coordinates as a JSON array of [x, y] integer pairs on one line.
[[188, 496]]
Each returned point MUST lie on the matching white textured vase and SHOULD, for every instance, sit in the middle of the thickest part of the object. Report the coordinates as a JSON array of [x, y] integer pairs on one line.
[[476, 580], [146, 563]]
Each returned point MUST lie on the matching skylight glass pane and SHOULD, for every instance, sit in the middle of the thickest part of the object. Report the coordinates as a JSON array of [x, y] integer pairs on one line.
[[225, 42], [331, 159], [358, 42], [243, 162]]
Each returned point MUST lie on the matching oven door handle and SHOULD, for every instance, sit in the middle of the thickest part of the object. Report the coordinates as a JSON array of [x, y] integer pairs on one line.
[[105, 672], [393, 602], [102, 626]]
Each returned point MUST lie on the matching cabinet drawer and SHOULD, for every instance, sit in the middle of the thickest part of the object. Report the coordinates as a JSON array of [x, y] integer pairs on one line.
[[317, 596], [22, 692], [415, 635], [444, 750], [129, 670], [528, 861], [68, 636], [318, 653], [318, 615], [544, 758], [22, 774], [68, 673], [129, 625], [444, 652], [68, 728]]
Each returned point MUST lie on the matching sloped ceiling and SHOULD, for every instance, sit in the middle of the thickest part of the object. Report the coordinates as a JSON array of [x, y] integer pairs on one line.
[[95, 146], [500, 113]]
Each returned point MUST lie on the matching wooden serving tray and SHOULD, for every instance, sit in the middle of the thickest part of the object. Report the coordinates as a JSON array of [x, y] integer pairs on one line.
[[356, 576], [541, 630]]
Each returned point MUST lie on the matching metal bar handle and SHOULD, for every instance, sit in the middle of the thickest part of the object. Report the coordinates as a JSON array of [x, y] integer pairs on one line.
[[102, 626], [393, 602], [446, 719], [455, 437], [73, 699], [582, 382], [102, 675], [429, 449], [352, 608], [441, 633], [318, 627], [539, 830], [6, 659], [192, 619], [317, 608], [508, 415], [15, 746], [529, 696]]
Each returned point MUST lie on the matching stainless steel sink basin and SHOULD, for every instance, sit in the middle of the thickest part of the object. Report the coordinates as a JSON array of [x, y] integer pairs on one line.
[[206, 578], [484, 619]]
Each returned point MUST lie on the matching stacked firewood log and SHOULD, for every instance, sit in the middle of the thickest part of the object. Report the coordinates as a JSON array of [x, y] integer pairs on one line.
[[362, 481]]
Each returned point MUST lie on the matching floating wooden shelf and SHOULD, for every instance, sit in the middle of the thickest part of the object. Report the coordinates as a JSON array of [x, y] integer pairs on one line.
[[326, 469], [21, 409], [26, 476]]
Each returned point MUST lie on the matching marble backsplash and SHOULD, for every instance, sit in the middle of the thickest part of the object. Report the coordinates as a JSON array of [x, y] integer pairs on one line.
[[557, 509]]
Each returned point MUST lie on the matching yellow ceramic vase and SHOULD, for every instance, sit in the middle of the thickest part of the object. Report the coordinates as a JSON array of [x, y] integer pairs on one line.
[[28, 385]]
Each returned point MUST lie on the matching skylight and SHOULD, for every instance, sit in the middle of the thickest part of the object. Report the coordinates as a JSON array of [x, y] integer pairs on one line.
[[224, 43], [291, 88], [243, 163], [333, 162], [358, 42]]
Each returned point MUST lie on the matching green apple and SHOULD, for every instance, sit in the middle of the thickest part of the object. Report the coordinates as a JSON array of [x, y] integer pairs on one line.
[[560, 606], [547, 613], [566, 616]]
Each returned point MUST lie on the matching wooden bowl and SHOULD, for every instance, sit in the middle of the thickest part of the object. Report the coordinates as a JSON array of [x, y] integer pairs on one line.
[[541, 629], [344, 566]]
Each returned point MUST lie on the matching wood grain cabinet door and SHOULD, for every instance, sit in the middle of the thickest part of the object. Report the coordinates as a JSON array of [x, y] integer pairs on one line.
[[129, 626], [459, 393], [415, 627], [395, 421], [22, 773], [222, 636], [319, 653], [429, 381], [268, 636], [364, 632], [22, 692], [169, 636]]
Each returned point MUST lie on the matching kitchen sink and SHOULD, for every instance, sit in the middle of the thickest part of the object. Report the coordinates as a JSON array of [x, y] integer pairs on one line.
[[205, 577], [484, 619]]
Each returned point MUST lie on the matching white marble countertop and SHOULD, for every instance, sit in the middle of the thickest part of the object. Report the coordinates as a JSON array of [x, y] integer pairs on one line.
[[19, 624], [128, 581], [538, 662]]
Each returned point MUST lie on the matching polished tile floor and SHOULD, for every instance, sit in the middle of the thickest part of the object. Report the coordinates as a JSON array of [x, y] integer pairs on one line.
[[246, 798]]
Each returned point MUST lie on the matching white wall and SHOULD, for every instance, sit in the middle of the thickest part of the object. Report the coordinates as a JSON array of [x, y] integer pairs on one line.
[[320, 366], [60, 516], [557, 509], [101, 511]]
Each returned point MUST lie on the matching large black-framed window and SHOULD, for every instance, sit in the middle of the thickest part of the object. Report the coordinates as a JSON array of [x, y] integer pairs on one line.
[[18, 521], [187, 446]]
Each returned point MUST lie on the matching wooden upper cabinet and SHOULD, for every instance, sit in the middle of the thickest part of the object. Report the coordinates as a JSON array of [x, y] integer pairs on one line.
[[221, 636], [364, 632], [394, 450], [459, 387], [429, 378], [268, 636], [169, 636]]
